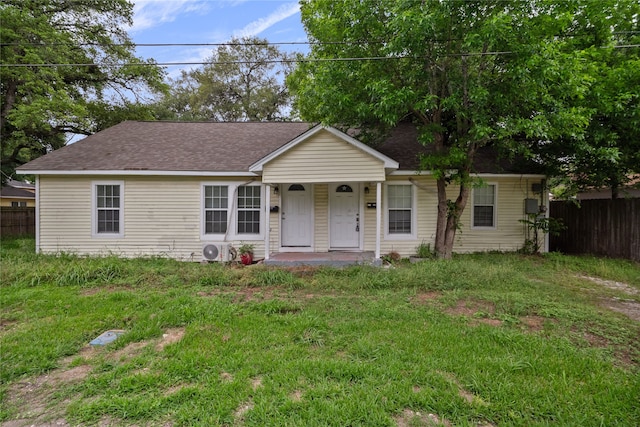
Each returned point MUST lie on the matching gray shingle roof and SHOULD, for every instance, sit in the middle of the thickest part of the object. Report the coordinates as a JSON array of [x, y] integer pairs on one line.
[[17, 193], [402, 145], [221, 147], [172, 146]]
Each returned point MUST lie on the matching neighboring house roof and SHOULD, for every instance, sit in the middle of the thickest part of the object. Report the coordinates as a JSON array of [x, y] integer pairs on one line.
[[225, 147], [21, 184], [16, 193]]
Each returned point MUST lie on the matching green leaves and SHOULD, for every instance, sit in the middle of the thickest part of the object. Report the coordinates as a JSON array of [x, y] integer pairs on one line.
[[45, 96], [243, 81]]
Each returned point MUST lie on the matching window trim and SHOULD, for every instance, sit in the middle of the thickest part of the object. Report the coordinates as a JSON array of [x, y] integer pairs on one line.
[[495, 208], [204, 209], [94, 211], [232, 212], [414, 213], [238, 209]]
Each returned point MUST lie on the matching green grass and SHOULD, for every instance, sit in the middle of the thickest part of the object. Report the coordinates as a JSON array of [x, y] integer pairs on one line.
[[499, 339]]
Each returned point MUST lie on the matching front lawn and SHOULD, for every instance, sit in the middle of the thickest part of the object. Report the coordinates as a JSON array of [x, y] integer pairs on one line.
[[490, 339]]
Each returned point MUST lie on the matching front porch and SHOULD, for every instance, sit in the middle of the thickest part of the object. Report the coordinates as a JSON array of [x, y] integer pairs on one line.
[[330, 259]]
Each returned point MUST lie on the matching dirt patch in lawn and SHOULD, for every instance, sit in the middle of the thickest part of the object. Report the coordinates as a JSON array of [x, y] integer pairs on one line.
[[463, 392], [169, 337], [478, 310], [243, 294], [535, 323], [296, 396], [33, 397], [628, 307], [256, 383], [129, 351], [427, 297], [611, 284], [471, 308], [241, 411], [409, 417], [105, 289]]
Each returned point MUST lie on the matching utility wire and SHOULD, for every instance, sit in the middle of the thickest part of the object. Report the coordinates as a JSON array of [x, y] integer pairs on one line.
[[259, 43], [274, 61]]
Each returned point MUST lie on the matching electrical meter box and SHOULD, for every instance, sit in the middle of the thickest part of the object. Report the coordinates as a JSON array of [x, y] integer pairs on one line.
[[531, 206]]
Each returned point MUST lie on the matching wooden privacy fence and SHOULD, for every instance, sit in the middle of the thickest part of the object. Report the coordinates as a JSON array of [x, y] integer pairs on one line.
[[601, 227], [17, 221]]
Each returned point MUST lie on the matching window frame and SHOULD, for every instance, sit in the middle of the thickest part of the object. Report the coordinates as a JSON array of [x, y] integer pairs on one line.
[[238, 209], [232, 212], [205, 209], [94, 210], [414, 213], [495, 207], [19, 204]]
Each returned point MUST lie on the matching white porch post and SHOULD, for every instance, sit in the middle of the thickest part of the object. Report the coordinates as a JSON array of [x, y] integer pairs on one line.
[[267, 221], [378, 217], [37, 214]]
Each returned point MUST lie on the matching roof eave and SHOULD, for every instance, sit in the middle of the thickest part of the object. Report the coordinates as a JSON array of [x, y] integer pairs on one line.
[[137, 172]]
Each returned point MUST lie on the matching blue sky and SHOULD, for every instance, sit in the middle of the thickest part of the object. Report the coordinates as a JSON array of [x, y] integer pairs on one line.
[[211, 21]]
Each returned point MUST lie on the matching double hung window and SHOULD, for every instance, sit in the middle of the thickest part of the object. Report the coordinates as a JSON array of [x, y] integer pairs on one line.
[[108, 213], [484, 206], [400, 211], [230, 209]]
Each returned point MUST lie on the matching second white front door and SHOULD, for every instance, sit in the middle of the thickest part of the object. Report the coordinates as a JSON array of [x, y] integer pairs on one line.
[[344, 216], [297, 220]]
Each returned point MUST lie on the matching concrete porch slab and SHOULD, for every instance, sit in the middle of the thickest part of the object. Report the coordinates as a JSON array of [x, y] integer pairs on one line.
[[331, 259]]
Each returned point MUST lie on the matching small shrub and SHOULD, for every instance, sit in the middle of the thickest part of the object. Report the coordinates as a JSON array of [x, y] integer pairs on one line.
[[392, 257], [423, 250]]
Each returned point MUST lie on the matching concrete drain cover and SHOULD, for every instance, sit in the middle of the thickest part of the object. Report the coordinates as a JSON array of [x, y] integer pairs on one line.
[[107, 337]]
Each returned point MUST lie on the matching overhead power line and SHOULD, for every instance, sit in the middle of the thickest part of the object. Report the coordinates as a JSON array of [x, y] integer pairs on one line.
[[259, 43], [274, 61]]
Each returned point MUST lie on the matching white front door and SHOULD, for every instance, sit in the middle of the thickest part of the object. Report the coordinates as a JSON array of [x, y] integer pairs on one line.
[[297, 221], [344, 221]]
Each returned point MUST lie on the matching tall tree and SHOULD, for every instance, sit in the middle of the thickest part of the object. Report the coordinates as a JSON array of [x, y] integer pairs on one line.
[[243, 80], [61, 73], [608, 156], [470, 73]]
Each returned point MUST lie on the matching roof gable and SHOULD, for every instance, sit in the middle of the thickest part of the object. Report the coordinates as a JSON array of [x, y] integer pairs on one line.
[[388, 162]]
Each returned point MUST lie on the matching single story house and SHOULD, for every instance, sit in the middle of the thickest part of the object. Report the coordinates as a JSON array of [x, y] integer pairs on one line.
[[18, 194], [191, 190]]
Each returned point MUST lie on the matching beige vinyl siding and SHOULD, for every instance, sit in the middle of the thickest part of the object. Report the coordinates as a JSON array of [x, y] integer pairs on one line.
[[274, 222], [162, 217], [6, 201], [508, 235], [425, 209], [323, 158], [321, 215], [369, 218]]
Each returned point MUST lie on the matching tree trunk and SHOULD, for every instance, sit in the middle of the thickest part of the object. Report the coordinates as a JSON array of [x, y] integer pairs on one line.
[[441, 222], [453, 220], [615, 191]]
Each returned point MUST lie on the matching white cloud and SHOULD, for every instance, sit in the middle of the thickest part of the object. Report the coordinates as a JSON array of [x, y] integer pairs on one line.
[[149, 13], [256, 27]]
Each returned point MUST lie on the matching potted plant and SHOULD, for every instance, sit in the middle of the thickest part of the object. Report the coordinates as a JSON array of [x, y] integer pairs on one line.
[[246, 253]]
